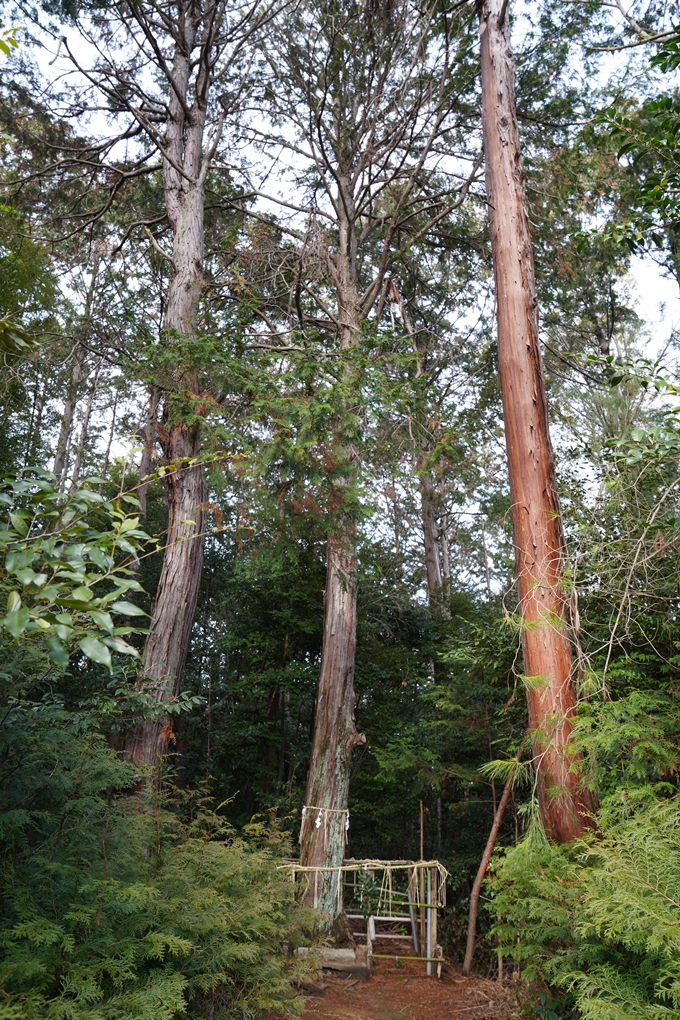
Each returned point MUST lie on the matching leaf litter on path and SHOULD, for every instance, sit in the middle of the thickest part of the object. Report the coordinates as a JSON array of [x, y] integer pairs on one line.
[[405, 992]]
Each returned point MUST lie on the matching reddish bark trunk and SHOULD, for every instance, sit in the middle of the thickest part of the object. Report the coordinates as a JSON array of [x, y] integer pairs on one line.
[[538, 537]]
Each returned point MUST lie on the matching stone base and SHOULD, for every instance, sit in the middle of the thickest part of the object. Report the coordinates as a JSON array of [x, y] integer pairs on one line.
[[356, 962]]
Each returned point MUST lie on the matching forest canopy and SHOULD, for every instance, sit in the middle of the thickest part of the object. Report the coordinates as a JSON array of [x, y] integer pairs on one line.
[[339, 480]]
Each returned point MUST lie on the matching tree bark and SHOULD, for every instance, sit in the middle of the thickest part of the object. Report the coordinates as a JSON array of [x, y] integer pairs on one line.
[[167, 643], [539, 543], [112, 432], [34, 430], [444, 546], [432, 540], [61, 456], [435, 545], [335, 734], [184, 170]]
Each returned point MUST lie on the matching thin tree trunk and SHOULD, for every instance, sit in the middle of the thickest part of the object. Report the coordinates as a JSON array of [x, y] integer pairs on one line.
[[35, 425], [493, 781], [433, 542], [538, 538], [439, 825], [436, 593], [428, 499], [481, 872], [61, 456], [428, 515], [270, 749], [112, 430], [395, 518], [487, 572], [84, 429], [147, 452], [444, 546], [64, 440]]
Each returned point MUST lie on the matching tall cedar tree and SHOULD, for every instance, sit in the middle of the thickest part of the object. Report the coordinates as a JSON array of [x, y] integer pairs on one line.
[[537, 528], [159, 67], [368, 94]]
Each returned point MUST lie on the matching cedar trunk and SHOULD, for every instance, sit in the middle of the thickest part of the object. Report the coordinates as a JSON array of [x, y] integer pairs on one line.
[[167, 644], [538, 538], [335, 734]]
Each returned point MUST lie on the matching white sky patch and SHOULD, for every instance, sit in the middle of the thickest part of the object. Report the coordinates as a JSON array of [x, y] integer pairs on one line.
[[656, 297]]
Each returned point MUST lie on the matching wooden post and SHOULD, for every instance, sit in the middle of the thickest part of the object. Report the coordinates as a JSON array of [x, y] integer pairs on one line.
[[422, 911], [435, 914], [414, 929], [428, 911]]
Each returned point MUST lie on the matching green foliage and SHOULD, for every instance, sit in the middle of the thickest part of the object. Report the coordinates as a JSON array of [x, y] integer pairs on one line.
[[112, 907], [254, 662], [66, 564], [8, 40], [368, 891], [657, 440], [601, 919], [28, 289], [646, 139], [630, 743], [13, 339]]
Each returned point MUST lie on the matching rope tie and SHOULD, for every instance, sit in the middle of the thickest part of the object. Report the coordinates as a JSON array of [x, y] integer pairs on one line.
[[324, 819]]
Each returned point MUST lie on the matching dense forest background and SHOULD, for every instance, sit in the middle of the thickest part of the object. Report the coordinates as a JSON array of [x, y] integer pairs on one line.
[[160, 896]]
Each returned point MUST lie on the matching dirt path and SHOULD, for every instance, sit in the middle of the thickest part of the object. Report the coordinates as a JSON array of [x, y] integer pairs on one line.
[[405, 993]]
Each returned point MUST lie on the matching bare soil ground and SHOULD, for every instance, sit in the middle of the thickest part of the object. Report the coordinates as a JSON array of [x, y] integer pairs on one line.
[[405, 992]]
